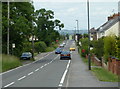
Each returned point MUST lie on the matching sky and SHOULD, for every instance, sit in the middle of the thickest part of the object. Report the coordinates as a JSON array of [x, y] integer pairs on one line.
[[70, 11]]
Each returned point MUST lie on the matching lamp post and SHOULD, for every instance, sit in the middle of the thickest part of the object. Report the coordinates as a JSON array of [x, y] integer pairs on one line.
[[77, 26], [8, 28], [89, 59]]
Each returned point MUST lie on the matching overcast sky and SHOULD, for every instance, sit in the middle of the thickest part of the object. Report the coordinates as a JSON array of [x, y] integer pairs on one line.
[[70, 11]]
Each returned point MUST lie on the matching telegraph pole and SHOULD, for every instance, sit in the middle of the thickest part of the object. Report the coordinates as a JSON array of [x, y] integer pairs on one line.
[[8, 27]]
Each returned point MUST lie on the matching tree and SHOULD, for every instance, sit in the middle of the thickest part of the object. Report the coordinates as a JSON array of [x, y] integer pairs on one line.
[[20, 24]]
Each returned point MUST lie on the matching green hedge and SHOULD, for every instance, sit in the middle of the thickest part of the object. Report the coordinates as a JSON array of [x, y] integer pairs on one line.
[[40, 46]]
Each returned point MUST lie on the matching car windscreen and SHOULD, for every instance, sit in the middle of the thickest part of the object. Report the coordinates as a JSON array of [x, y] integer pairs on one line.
[[65, 52], [25, 54]]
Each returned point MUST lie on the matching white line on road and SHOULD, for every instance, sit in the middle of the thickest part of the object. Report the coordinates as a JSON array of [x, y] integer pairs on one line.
[[21, 78], [37, 69], [41, 66], [45, 65], [30, 73], [64, 75], [9, 84]]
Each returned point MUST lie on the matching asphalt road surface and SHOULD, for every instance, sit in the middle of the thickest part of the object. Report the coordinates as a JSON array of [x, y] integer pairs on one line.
[[49, 71]]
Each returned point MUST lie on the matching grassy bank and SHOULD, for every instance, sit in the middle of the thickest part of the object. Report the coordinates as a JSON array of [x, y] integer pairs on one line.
[[9, 62], [104, 75]]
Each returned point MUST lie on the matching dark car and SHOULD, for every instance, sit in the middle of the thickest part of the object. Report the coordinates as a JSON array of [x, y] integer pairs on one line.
[[58, 51], [26, 55], [65, 55]]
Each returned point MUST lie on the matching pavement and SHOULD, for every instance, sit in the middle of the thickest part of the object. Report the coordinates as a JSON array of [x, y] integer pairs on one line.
[[80, 76]]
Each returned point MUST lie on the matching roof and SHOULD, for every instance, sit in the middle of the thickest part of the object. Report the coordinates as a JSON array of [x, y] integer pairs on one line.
[[108, 24]]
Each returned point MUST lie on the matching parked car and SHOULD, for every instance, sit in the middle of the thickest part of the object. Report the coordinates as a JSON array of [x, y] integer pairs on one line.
[[61, 46], [58, 51], [72, 49], [64, 43], [65, 55], [26, 55]]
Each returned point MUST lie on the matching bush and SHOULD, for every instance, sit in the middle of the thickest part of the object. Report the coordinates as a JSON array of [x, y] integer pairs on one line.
[[40, 46], [98, 47], [84, 43], [109, 46]]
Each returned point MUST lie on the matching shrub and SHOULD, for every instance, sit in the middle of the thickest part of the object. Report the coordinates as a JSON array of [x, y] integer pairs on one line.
[[84, 43], [98, 47], [40, 46], [109, 47]]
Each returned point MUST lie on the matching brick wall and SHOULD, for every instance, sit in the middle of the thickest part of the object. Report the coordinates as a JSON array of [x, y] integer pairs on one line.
[[114, 66]]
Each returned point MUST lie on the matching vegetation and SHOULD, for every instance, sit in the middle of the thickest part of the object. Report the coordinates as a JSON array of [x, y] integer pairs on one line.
[[9, 62], [84, 46], [25, 23], [98, 46], [104, 75]]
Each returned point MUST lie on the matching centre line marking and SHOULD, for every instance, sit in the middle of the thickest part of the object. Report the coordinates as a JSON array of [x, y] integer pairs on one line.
[[21, 78], [9, 84], [41, 66], [64, 75], [37, 69], [30, 73]]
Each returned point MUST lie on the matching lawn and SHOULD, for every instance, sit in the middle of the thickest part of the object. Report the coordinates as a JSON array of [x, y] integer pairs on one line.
[[104, 75]]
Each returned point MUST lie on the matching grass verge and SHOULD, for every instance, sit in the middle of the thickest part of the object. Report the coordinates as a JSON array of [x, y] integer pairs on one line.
[[104, 75], [9, 62]]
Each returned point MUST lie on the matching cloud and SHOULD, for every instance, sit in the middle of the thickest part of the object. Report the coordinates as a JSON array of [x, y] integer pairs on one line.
[[72, 10]]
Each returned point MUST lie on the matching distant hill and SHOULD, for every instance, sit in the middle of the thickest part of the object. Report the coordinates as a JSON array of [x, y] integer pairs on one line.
[[71, 32]]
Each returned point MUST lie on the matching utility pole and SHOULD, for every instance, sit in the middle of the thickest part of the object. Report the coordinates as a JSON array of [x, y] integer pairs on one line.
[[77, 26], [8, 27], [89, 59]]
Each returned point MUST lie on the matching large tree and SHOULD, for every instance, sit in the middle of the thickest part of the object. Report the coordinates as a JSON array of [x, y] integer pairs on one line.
[[20, 24]]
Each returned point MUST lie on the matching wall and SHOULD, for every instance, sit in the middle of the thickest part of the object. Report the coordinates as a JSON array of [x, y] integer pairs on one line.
[[113, 30]]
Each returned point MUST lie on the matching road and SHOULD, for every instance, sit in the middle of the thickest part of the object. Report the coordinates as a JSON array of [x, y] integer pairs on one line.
[[50, 71], [46, 72]]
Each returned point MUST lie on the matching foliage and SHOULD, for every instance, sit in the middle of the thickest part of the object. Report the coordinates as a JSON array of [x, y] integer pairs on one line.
[[46, 25], [117, 45], [40, 46], [24, 23], [84, 43], [20, 25], [98, 47], [109, 46]]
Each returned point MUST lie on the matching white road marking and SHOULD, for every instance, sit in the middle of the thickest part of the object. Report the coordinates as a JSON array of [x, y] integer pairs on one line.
[[45, 65], [30, 73], [21, 78], [9, 84], [37, 69], [64, 75], [41, 66]]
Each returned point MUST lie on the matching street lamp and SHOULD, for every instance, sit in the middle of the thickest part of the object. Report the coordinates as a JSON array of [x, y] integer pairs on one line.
[[77, 26], [89, 59]]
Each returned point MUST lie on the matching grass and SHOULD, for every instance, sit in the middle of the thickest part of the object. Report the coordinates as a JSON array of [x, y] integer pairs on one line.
[[104, 75], [9, 62], [49, 49], [86, 61]]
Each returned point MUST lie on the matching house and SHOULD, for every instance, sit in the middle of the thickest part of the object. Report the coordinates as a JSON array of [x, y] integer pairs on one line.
[[111, 27], [93, 34]]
